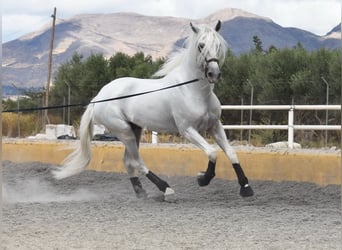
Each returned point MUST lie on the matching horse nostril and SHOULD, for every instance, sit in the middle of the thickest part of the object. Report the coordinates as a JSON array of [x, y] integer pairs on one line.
[[219, 75], [210, 74]]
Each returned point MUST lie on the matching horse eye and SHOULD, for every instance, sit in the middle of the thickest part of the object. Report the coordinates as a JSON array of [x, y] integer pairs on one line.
[[201, 46]]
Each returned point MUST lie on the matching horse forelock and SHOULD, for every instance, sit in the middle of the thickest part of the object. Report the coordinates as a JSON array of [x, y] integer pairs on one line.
[[215, 46]]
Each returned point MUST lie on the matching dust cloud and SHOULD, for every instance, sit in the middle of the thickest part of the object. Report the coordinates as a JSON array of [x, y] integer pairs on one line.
[[38, 187]]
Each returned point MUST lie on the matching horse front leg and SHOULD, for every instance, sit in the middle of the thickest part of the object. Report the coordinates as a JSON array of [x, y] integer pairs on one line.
[[220, 137], [204, 177]]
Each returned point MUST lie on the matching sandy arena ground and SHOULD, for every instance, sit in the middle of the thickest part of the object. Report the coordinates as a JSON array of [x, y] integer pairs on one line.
[[99, 211]]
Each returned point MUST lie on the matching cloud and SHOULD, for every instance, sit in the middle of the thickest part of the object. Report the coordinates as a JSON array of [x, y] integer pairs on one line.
[[14, 26], [317, 16]]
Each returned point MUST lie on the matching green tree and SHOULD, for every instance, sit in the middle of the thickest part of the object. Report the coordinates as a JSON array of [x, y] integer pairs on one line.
[[68, 74], [87, 76], [95, 75], [257, 44], [120, 65]]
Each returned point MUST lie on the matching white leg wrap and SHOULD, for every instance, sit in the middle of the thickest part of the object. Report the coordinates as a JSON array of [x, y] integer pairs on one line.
[[169, 195]]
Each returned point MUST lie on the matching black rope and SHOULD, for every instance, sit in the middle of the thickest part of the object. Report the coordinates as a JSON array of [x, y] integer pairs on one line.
[[104, 100], [146, 92]]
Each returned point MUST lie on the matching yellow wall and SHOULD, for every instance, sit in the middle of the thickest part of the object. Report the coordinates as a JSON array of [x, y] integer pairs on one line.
[[282, 165]]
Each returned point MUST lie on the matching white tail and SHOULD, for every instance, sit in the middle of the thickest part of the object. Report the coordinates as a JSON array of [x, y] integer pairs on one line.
[[78, 160]]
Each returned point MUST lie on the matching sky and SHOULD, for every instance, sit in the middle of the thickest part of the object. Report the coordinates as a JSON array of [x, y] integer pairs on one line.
[[24, 16]]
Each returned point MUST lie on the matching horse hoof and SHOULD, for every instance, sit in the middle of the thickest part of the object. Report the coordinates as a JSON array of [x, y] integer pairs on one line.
[[246, 191], [203, 179], [169, 195]]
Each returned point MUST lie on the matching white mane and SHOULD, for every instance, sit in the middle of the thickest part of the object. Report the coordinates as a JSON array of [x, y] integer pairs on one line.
[[208, 36], [171, 63]]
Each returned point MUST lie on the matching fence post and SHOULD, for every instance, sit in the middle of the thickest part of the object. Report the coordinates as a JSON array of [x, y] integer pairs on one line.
[[290, 129], [154, 137]]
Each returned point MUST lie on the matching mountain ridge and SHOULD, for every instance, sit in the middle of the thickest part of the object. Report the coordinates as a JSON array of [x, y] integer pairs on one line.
[[25, 59]]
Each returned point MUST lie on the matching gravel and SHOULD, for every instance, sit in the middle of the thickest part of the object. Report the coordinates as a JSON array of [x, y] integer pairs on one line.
[[98, 210]]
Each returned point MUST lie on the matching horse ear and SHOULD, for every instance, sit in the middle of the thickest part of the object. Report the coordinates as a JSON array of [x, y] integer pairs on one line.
[[218, 26], [194, 29]]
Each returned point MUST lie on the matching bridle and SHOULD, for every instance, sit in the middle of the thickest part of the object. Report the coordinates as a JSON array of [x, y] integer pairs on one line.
[[207, 61], [200, 46]]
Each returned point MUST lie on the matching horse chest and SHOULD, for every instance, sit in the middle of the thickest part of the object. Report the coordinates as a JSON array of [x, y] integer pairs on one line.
[[199, 113], [203, 119]]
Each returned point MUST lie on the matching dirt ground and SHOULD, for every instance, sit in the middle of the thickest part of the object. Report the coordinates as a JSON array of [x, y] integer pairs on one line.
[[99, 211]]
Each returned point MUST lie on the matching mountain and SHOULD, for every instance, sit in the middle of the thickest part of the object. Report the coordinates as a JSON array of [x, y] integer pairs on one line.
[[333, 38], [334, 33], [25, 59]]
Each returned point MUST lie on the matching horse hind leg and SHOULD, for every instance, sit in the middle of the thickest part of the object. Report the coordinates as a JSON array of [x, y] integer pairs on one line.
[[169, 193], [134, 162], [140, 192], [137, 186], [130, 135], [162, 185]]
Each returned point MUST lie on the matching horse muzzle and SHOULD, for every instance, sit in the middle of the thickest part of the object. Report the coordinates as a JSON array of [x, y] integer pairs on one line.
[[212, 70]]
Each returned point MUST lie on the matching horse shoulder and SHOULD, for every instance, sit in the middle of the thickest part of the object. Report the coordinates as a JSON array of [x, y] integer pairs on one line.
[[215, 106]]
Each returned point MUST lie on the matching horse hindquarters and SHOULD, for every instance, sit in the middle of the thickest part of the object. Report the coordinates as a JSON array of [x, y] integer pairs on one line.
[[78, 160]]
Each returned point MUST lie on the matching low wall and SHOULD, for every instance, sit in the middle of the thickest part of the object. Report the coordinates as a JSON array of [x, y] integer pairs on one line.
[[317, 166]]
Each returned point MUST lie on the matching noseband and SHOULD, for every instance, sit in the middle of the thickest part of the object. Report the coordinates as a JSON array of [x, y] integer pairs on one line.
[[207, 63]]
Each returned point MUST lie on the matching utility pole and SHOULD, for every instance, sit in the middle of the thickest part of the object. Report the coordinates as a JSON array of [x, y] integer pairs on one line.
[[47, 90]]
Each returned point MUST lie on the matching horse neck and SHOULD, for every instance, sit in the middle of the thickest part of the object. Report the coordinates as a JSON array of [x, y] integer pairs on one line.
[[201, 89], [187, 70]]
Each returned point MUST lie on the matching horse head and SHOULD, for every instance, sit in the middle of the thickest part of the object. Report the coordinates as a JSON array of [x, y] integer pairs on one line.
[[209, 48]]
